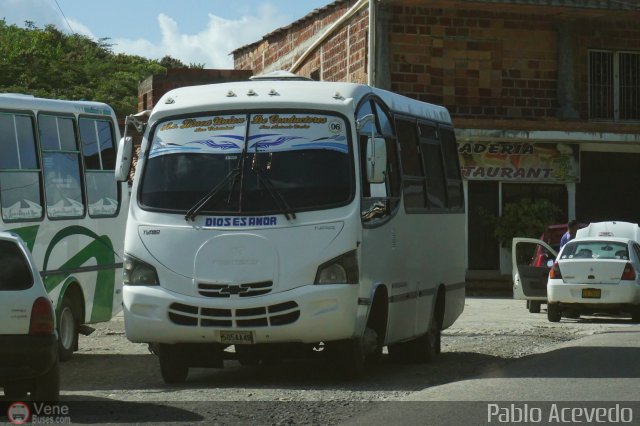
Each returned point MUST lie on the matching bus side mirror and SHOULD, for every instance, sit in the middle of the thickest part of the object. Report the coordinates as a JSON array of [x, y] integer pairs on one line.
[[123, 158], [376, 160]]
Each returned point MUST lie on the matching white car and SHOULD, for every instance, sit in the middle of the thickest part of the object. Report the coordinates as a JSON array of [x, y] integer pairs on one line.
[[28, 338], [595, 274]]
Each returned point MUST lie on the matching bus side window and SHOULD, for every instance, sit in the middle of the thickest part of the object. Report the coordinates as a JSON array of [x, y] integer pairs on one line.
[[61, 167], [20, 193], [98, 151]]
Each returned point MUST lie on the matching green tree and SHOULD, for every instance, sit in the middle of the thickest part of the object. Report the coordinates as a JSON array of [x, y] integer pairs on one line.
[[46, 62], [523, 218]]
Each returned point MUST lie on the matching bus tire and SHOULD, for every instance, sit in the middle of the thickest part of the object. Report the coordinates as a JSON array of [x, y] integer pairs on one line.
[[635, 314], [534, 306], [67, 329], [173, 369], [553, 312]]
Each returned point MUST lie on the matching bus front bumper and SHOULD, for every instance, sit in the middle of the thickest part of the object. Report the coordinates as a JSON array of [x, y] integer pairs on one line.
[[308, 314]]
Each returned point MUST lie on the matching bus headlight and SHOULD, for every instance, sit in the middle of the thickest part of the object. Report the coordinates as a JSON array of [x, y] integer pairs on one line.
[[340, 270], [137, 272]]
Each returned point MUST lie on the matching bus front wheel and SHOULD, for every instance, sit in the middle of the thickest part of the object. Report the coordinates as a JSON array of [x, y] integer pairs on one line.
[[173, 368], [67, 329]]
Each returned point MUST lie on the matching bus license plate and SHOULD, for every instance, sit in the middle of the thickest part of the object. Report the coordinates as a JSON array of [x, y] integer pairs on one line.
[[591, 293], [236, 337]]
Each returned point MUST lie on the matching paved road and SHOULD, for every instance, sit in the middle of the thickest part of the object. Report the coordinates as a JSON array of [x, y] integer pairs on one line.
[[598, 374]]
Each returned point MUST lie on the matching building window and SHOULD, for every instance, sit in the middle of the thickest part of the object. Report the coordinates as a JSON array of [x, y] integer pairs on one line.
[[614, 85]]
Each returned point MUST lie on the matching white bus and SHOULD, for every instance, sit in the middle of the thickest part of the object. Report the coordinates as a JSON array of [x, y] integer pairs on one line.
[[58, 192], [287, 217]]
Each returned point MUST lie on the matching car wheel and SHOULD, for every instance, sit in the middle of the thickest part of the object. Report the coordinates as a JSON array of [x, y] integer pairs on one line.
[[534, 306], [553, 312], [173, 369], [15, 390], [47, 387], [67, 330]]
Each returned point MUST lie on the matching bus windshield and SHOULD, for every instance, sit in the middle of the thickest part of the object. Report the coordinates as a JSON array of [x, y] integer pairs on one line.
[[299, 160]]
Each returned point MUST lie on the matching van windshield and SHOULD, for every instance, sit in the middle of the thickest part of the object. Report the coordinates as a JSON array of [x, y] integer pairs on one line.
[[301, 160]]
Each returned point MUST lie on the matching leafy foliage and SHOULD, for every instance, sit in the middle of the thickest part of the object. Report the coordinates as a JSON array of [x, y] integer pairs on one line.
[[523, 218], [48, 63]]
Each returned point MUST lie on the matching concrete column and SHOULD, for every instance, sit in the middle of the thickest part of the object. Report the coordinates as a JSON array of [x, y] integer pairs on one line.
[[383, 56], [571, 201], [566, 75]]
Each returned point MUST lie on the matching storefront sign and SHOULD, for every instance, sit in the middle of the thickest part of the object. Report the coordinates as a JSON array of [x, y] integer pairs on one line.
[[520, 161]]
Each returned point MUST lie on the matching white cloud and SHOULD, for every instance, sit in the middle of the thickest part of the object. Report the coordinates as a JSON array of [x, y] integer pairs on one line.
[[36, 11], [211, 46]]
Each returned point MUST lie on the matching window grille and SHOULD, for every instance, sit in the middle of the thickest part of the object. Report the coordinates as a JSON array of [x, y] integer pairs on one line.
[[614, 85]]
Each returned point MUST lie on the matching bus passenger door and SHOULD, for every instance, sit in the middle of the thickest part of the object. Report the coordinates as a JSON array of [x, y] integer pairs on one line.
[[383, 246]]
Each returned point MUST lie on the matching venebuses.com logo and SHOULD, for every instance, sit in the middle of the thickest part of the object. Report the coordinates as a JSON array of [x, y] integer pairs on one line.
[[19, 413]]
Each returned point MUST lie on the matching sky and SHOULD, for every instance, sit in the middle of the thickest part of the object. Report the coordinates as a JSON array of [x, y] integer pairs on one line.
[[193, 31]]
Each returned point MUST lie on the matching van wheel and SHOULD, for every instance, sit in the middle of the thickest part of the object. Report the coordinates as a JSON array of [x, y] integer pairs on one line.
[[173, 369], [67, 330], [47, 387], [635, 314], [553, 312], [355, 355], [427, 346], [247, 355], [534, 307]]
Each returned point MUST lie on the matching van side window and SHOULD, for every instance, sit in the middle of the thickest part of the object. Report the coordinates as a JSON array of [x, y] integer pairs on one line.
[[61, 167], [455, 196], [413, 174], [98, 150], [20, 189], [432, 159]]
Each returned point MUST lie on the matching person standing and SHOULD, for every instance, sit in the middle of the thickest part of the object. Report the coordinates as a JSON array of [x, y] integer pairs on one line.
[[572, 227]]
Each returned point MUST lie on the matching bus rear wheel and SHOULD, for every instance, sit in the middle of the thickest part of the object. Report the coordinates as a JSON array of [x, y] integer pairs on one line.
[[67, 329]]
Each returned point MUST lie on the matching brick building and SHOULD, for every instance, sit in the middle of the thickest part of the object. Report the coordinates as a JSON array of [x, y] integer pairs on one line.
[[544, 94], [153, 87]]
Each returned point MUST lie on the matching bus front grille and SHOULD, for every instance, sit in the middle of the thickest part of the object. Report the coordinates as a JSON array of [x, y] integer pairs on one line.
[[240, 290], [261, 316]]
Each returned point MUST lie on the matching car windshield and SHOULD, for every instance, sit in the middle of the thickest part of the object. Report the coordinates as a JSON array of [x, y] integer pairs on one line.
[[595, 250], [15, 273], [282, 162]]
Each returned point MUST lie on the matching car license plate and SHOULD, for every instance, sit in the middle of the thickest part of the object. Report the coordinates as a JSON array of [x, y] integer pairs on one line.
[[236, 337], [591, 293]]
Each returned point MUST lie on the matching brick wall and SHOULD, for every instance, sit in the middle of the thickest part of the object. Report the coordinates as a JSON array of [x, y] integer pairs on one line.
[[342, 57], [488, 64], [151, 89]]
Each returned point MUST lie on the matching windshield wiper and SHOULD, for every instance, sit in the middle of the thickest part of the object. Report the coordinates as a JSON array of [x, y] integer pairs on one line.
[[193, 211], [276, 195], [233, 174]]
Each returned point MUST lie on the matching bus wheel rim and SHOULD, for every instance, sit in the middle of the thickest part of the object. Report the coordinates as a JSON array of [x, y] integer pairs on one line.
[[66, 328]]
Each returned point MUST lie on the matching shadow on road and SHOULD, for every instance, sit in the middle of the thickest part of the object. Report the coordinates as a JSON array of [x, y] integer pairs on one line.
[[93, 372]]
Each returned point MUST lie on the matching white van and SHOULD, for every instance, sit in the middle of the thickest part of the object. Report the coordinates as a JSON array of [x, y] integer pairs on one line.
[[286, 216]]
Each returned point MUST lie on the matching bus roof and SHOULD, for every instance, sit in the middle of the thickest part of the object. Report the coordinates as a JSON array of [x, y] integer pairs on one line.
[[29, 102], [343, 97]]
